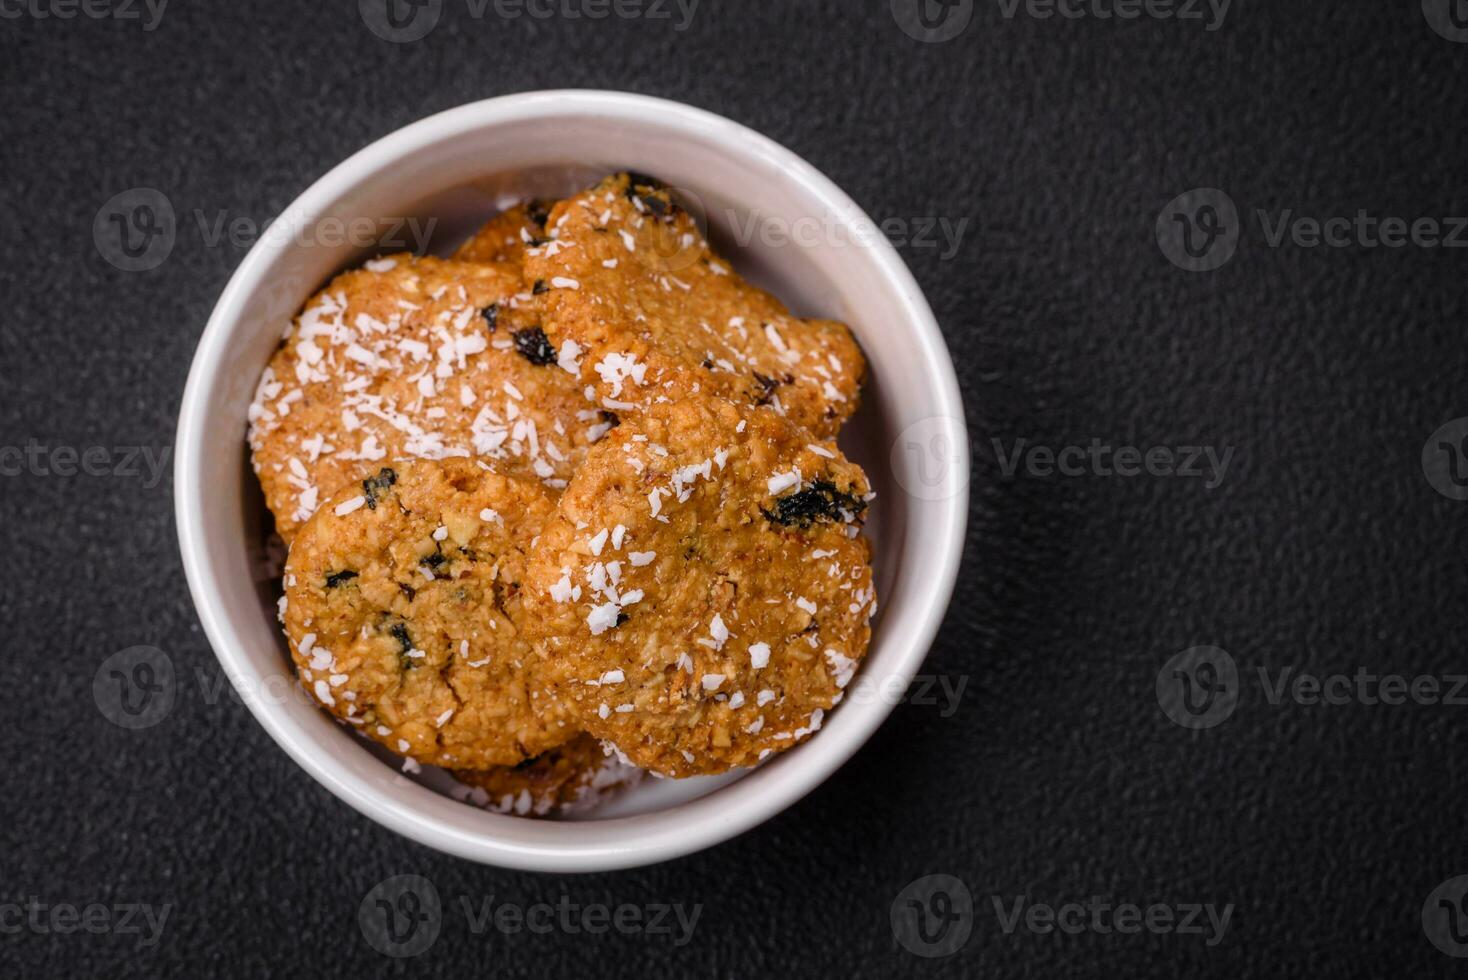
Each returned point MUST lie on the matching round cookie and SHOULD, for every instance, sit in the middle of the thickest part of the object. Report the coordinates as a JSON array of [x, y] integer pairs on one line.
[[702, 596], [404, 612], [505, 236], [414, 357], [568, 779], [633, 294]]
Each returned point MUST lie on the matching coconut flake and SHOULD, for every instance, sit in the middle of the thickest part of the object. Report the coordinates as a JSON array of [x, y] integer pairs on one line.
[[603, 617], [781, 482]]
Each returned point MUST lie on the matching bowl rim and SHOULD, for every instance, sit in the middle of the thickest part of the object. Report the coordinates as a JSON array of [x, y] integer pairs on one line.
[[625, 841]]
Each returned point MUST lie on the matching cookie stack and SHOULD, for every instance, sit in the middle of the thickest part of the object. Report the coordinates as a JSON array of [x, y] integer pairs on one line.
[[568, 506]]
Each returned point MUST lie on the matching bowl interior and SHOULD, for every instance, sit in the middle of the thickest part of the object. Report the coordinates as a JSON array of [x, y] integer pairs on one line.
[[433, 192]]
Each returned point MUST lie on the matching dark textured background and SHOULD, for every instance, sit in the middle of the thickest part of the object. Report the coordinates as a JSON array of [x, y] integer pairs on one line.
[[1058, 777]]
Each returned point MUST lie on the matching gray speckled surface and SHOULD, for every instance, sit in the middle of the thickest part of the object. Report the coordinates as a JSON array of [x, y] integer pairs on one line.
[[1058, 776]]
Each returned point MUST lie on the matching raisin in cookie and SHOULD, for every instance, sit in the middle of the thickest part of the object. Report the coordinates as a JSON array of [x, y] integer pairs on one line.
[[414, 357], [702, 596], [635, 298], [568, 779], [404, 613]]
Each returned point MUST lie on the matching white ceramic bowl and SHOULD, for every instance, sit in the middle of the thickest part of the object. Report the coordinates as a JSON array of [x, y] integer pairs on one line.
[[457, 169]]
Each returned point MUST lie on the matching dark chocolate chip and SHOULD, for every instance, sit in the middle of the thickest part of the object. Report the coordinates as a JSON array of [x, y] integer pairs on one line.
[[491, 314], [333, 579], [539, 287]]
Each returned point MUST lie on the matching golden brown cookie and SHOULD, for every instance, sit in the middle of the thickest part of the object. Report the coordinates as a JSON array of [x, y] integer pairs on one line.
[[567, 779], [403, 607], [633, 294], [414, 357], [702, 595], [505, 237]]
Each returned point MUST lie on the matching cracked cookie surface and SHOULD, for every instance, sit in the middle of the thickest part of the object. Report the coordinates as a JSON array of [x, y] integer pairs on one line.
[[703, 595], [635, 299], [404, 612]]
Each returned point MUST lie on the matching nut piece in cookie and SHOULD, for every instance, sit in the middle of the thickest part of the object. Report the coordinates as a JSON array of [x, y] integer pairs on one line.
[[506, 236], [703, 595], [405, 617], [413, 357], [634, 296], [569, 779]]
